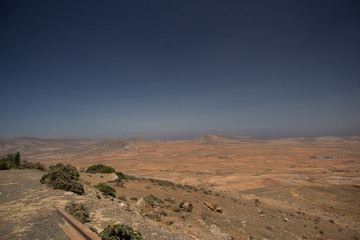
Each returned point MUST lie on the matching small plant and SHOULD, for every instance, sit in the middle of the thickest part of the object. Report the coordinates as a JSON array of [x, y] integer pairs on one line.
[[93, 229], [29, 165], [153, 201], [124, 176], [120, 232], [10, 161], [106, 189], [63, 177], [16, 159], [4, 165], [100, 168], [79, 211], [176, 209], [122, 198]]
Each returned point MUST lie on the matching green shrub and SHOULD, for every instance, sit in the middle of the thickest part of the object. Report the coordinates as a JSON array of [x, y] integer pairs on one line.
[[4, 165], [153, 201], [119, 232], [63, 177], [124, 176], [93, 229], [79, 211], [106, 189], [100, 168], [10, 161], [16, 159], [107, 169]]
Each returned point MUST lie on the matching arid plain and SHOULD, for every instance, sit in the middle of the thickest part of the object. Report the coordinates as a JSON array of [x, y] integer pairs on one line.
[[228, 163], [315, 178]]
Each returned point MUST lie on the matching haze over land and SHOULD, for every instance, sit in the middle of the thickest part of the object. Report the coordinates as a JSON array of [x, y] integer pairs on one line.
[[233, 163]]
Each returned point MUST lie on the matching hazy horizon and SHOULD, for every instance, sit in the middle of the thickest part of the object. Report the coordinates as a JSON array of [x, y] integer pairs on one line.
[[172, 137], [179, 69]]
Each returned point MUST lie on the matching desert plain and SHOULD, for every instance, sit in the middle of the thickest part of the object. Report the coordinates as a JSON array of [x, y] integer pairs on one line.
[[290, 188]]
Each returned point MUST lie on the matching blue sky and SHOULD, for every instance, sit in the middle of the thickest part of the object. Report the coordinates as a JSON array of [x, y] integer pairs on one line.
[[179, 69]]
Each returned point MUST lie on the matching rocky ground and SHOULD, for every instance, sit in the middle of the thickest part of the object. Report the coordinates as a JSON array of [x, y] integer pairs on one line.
[[28, 209]]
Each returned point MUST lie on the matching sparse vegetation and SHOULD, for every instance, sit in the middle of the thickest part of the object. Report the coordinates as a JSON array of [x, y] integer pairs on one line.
[[122, 198], [29, 165], [10, 161], [176, 209], [63, 177], [79, 211], [93, 229], [100, 168], [122, 176], [16, 159], [106, 189], [4, 165], [120, 232], [153, 201]]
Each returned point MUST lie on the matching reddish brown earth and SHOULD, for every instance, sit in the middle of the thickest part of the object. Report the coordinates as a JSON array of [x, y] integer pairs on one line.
[[306, 187]]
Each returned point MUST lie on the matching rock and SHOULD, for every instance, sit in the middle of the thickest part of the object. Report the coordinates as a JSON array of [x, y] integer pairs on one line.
[[209, 205], [219, 210], [285, 219], [98, 196], [168, 221], [186, 206], [153, 216], [123, 205], [143, 206]]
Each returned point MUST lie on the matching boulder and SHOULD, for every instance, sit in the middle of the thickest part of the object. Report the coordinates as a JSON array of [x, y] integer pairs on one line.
[[219, 210], [123, 205], [143, 206], [153, 216], [209, 205], [186, 206], [168, 221]]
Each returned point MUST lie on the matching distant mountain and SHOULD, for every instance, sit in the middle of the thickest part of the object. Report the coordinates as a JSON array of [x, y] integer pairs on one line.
[[210, 139], [41, 148], [115, 145], [35, 145]]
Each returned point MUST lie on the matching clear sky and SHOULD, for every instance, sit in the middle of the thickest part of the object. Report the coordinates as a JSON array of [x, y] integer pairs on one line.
[[177, 69]]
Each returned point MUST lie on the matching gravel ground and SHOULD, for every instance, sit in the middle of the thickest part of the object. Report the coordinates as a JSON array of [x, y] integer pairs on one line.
[[23, 212], [28, 210]]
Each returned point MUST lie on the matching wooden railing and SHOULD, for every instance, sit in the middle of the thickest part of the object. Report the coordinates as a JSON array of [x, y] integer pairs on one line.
[[74, 229]]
